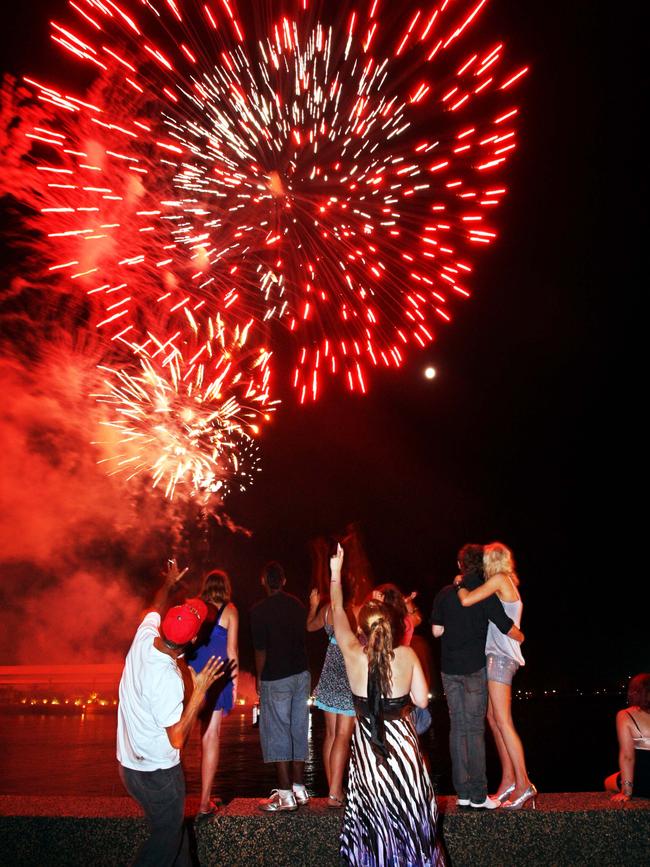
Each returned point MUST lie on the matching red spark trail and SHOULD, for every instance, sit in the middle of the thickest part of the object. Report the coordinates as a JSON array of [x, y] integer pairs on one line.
[[324, 172]]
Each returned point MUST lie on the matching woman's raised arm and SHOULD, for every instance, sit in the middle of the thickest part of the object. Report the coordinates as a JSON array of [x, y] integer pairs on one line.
[[491, 586], [315, 616], [345, 637]]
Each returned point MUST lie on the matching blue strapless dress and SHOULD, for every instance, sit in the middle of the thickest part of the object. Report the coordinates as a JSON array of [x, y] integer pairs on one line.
[[220, 694]]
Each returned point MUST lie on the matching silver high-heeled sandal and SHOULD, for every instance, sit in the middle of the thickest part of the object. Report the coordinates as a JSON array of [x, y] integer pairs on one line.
[[529, 795], [504, 795]]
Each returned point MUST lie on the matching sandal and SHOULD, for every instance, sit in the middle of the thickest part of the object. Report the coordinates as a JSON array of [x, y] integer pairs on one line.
[[335, 803], [206, 815]]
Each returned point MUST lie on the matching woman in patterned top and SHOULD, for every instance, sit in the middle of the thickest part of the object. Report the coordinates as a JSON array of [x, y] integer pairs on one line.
[[333, 697]]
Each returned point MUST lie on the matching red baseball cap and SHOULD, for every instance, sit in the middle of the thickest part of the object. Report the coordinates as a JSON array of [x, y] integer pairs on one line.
[[182, 622]]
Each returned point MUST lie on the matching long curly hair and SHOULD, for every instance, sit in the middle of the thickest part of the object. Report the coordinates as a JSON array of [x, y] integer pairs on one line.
[[216, 588], [380, 625]]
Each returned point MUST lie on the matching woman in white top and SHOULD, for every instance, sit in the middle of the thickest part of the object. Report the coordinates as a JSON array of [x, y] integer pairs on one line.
[[503, 659]]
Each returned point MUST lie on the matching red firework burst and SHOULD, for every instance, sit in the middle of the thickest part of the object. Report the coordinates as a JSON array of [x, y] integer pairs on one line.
[[187, 411], [329, 172]]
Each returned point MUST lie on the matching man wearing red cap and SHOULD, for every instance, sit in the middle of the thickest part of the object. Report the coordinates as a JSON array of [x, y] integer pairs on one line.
[[152, 725]]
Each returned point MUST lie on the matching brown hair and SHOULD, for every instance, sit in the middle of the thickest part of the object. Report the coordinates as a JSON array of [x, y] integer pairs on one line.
[[379, 623], [357, 574], [216, 587], [394, 597], [470, 558], [638, 691]]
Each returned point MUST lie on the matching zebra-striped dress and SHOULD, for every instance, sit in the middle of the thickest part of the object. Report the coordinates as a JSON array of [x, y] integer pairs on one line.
[[390, 812]]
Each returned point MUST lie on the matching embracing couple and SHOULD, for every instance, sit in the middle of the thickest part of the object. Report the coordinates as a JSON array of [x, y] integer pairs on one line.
[[477, 619]]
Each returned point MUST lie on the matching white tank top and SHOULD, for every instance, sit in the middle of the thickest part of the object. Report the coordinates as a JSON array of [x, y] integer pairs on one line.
[[500, 644], [641, 741]]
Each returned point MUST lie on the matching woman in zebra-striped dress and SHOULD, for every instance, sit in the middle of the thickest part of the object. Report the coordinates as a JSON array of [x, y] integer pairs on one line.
[[390, 812]]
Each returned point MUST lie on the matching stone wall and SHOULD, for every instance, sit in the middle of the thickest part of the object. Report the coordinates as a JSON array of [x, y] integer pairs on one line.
[[565, 829]]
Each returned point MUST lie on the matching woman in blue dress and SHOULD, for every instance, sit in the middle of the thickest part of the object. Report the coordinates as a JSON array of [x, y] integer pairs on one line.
[[218, 639]]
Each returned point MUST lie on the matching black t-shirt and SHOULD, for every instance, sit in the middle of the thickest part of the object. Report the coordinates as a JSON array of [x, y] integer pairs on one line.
[[463, 641], [278, 624]]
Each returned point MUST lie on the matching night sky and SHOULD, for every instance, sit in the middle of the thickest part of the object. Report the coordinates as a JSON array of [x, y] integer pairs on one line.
[[524, 435]]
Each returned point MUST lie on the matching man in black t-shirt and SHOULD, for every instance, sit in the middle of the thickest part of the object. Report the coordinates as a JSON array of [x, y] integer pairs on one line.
[[462, 662], [283, 683]]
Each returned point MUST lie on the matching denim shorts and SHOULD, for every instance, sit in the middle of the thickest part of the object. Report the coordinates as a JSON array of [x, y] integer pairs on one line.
[[501, 668], [284, 718]]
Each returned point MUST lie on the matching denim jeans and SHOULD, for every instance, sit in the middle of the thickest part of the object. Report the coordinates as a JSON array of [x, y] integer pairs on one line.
[[421, 717], [284, 718], [467, 700], [161, 794]]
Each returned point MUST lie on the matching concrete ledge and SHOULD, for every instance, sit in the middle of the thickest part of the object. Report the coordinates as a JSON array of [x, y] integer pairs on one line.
[[566, 829]]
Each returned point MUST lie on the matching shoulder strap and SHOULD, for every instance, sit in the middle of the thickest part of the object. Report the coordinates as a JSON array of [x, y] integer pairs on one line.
[[220, 612], [514, 587], [635, 723]]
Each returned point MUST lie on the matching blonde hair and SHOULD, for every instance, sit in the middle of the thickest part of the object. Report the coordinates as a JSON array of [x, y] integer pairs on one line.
[[497, 557]]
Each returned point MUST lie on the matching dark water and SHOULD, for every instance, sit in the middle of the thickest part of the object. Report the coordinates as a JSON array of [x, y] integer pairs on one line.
[[570, 746]]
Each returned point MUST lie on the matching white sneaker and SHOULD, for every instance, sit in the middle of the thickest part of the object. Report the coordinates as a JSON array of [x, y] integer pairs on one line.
[[462, 802], [279, 801], [301, 795], [487, 804]]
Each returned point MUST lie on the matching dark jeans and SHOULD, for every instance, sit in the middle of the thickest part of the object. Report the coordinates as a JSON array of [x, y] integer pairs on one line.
[[467, 701], [161, 794]]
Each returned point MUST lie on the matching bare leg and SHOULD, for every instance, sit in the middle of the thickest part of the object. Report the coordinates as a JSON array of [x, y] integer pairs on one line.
[[340, 753], [507, 768], [328, 743], [209, 758], [500, 699]]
